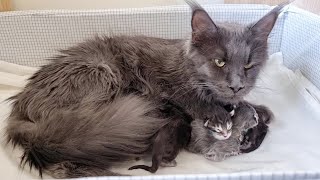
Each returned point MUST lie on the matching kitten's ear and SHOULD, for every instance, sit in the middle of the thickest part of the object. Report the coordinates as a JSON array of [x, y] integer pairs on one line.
[[264, 26], [206, 123], [232, 113], [200, 19]]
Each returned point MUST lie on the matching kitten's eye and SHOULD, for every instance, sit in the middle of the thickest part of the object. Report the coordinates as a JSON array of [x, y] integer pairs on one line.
[[220, 63], [218, 128], [248, 66]]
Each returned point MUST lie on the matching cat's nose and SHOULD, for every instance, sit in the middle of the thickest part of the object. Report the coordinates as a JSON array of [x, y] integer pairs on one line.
[[235, 83], [236, 88], [224, 133]]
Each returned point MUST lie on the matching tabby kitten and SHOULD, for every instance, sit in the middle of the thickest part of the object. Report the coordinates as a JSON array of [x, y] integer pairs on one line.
[[204, 138], [89, 107], [220, 126]]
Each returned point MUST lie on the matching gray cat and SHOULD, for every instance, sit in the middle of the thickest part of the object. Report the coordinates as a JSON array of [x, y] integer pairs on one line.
[[218, 140], [96, 103]]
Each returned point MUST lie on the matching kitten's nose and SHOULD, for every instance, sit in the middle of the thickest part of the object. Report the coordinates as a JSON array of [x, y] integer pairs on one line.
[[236, 88], [224, 134]]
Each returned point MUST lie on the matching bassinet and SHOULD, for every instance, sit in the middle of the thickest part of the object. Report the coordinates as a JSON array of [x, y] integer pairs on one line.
[[29, 37]]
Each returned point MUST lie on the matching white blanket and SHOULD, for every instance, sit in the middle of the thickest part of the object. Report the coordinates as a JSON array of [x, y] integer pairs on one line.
[[291, 145]]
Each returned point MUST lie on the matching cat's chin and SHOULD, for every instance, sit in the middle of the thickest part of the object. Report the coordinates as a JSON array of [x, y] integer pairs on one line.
[[230, 100], [224, 100], [210, 95]]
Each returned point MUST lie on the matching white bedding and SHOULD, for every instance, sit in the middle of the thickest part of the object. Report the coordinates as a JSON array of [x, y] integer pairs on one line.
[[291, 145]]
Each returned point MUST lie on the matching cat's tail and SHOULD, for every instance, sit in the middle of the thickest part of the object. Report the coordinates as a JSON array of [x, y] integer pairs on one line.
[[87, 143]]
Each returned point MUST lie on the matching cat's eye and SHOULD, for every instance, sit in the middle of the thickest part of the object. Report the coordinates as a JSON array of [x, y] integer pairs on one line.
[[218, 128], [219, 62], [248, 66]]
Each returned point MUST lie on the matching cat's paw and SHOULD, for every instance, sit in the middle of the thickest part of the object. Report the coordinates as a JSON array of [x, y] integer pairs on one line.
[[264, 113], [165, 163], [235, 153], [215, 157], [245, 143], [241, 137]]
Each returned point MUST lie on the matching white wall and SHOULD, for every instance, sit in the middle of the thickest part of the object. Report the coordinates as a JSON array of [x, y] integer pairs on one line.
[[311, 5], [95, 4]]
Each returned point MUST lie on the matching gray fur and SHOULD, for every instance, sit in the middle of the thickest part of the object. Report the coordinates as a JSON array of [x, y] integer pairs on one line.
[[88, 137], [76, 111], [204, 143], [237, 45]]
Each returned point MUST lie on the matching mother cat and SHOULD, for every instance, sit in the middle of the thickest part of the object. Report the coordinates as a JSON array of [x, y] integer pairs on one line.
[[84, 111]]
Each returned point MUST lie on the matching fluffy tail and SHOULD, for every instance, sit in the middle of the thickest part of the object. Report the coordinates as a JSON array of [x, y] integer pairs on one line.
[[86, 143]]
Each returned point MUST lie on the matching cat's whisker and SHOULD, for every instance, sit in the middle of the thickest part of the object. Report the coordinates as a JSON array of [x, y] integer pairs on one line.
[[184, 93], [183, 87], [190, 86], [265, 78], [256, 49], [262, 88]]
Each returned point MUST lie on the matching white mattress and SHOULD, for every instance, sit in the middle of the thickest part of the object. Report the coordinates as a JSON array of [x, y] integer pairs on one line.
[[292, 145]]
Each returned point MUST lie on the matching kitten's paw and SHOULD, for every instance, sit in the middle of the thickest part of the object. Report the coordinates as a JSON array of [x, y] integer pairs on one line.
[[235, 153], [265, 114], [245, 143], [165, 163], [241, 137], [215, 157]]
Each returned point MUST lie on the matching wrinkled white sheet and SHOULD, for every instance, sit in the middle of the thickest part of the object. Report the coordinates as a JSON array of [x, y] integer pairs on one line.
[[291, 145]]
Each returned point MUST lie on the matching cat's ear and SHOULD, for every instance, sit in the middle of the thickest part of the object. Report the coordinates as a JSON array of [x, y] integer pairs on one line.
[[265, 25], [200, 20], [232, 112], [206, 123]]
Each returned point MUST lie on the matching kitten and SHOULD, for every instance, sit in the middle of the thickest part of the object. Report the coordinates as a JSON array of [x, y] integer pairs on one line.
[[220, 125], [204, 137], [59, 132], [212, 127], [254, 136], [170, 139]]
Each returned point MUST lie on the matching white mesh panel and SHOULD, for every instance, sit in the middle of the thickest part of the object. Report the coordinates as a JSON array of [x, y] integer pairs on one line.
[[29, 37]]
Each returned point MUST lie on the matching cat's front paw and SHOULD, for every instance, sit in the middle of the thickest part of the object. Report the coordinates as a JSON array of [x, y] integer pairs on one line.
[[215, 157], [245, 142], [235, 153], [241, 137]]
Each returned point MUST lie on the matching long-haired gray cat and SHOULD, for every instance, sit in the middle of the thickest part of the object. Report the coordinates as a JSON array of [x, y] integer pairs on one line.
[[92, 106]]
